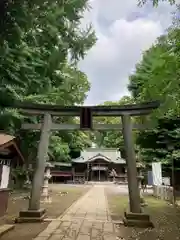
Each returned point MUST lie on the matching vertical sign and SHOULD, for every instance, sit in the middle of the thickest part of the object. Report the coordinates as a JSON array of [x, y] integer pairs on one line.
[[150, 178], [86, 118], [157, 173], [5, 176]]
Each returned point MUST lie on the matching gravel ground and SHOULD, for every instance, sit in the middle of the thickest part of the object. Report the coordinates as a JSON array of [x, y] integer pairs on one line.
[[62, 198], [165, 217]]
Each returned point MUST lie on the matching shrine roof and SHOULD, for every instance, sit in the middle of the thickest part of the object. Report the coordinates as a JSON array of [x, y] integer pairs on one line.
[[6, 141], [61, 164], [5, 138], [117, 160]]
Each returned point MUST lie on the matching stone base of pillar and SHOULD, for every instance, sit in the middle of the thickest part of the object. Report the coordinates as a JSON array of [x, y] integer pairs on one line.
[[30, 216], [141, 220]]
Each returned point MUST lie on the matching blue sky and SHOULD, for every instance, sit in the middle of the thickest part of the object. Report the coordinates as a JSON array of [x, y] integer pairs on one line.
[[124, 31]]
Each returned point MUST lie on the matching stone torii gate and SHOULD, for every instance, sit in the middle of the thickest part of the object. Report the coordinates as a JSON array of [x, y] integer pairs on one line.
[[134, 216]]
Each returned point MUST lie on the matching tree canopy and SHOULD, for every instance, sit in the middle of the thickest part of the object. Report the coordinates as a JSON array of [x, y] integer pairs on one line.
[[155, 2], [41, 44], [157, 78], [111, 138]]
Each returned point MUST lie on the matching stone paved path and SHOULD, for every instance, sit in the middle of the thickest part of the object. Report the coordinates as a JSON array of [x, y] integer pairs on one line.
[[87, 219]]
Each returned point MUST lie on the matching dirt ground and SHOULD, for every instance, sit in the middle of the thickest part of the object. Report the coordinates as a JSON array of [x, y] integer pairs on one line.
[[62, 197], [165, 218]]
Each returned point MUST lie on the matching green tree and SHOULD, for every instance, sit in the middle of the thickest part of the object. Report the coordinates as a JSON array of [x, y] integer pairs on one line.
[[154, 2], [41, 44], [157, 75], [157, 78], [111, 138]]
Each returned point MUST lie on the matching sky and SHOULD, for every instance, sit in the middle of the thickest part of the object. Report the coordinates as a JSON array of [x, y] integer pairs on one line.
[[124, 31]]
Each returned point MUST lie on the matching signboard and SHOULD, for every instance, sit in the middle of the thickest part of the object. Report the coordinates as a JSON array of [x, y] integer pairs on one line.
[[166, 181], [157, 173], [5, 176], [150, 178], [99, 168]]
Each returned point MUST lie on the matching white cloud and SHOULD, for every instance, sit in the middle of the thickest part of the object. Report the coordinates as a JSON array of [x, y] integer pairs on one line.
[[120, 44]]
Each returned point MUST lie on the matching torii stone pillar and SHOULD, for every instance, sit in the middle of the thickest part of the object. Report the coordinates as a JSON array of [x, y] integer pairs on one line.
[[134, 216], [134, 194], [34, 213]]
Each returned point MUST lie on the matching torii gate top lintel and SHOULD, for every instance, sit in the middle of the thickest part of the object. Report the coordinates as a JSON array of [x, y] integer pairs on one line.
[[129, 109]]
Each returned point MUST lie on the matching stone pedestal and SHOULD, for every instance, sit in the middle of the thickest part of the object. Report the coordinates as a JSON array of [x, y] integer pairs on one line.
[[142, 201], [31, 216], [141, 220]]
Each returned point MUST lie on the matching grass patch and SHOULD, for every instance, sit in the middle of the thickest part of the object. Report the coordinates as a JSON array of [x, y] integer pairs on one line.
[[165, 217]]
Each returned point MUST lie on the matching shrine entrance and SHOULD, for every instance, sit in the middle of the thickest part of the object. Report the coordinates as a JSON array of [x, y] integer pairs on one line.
[[86, 115], [99, 174], [99, 171]]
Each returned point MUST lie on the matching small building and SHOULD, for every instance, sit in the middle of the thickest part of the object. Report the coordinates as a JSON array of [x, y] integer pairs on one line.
[[61, 172], [10, 155]]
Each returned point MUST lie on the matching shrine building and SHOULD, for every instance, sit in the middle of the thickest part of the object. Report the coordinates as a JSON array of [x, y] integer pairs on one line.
[[94, 164]]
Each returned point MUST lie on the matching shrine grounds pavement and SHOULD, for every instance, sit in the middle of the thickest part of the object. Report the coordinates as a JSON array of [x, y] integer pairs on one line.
[[87, 219]]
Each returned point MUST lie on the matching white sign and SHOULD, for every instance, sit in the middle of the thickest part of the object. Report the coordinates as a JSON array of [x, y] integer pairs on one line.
[[5, 176], [166, 181], [100, 168], [157, 173]]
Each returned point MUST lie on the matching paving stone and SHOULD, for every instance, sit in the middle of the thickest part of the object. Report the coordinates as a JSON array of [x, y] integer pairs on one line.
[[67, 218], [72, 234], [73, 231], [66, 223], [76, 225], [108, 227], [109, 237], [96, 233], [68, 238], [83, 237], [87, 223], [42, 238], [86, 230], [45, 234], [56, 237], [54, 224], [98, 225]]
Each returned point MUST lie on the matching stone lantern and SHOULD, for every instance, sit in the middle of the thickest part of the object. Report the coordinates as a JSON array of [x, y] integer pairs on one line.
[[113, 174], [140, 177], [45, 191]]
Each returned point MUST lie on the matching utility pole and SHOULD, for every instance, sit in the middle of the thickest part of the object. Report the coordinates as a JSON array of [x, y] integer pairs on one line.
[[173, 183], [171, 148]]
